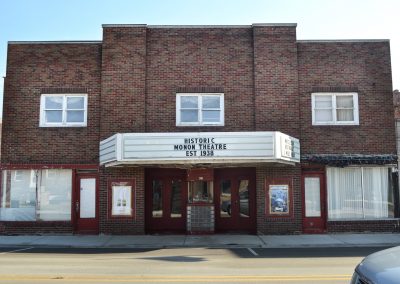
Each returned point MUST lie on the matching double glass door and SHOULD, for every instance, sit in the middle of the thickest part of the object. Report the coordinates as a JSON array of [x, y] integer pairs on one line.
[[166, 195], [235, 200]]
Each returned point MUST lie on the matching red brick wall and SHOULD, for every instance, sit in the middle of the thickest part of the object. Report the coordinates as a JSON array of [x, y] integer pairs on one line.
[[33, 69], [132, 79], [276, 79], [364, 226], [31, 228], [363, 67], [121, 226], [199, 60], [123, 80], [396, 102], [279, 225]]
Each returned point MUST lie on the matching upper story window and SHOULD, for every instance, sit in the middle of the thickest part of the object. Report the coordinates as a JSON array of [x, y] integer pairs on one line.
[[63, 110], [200, 109], [335, 109]]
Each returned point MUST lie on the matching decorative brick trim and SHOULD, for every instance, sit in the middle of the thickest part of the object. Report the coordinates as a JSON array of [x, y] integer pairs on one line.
[[334, 89], [64, 90], [200, 90]]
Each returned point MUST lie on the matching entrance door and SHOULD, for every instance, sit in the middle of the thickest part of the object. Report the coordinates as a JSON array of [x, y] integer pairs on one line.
[[314, 213], [166, 195], [85, 205], [235, 197]]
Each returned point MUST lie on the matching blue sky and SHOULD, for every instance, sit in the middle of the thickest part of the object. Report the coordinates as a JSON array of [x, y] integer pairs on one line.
[[41, 20]]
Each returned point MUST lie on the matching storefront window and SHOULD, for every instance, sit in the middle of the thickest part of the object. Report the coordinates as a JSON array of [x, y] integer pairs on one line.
[[55, 195], [201, 191], [360, 193], [32, 195]]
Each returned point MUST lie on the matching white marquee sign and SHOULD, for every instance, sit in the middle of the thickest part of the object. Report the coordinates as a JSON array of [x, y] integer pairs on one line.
[[199, 147]]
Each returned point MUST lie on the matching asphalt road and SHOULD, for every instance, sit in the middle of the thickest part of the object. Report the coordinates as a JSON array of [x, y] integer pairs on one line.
[[181, 265]]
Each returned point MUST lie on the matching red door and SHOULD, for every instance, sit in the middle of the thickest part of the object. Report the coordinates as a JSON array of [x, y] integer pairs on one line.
[[314, 205], [166, 195], [85, 204], [235, 197]]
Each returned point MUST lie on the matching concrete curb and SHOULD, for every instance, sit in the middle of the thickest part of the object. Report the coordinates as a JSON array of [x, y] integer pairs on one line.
[[211, 241]]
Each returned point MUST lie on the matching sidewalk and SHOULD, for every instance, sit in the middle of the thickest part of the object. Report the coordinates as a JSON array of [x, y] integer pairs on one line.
[[215, 241]]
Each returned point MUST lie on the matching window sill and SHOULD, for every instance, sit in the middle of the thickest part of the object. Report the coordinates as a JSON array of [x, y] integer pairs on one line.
[[26, 222], [199, 125], [335, 124], [63, 126], [361, 220]]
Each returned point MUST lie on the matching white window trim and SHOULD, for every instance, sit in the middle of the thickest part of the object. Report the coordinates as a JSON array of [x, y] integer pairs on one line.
[[64, 123], [200, 109], [334, 119]]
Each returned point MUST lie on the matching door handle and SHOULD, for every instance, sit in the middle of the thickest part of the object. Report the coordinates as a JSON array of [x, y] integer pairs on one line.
[[77, 207]]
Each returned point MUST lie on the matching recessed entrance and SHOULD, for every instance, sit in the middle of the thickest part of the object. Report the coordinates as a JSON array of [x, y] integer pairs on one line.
[[235, 197], [166, 198], [229, 193]]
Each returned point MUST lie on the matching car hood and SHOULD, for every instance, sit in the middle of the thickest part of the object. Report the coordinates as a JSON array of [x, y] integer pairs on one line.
[[382, 266]]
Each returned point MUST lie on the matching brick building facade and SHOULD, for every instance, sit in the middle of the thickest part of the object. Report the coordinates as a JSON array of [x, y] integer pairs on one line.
[[198, 129]]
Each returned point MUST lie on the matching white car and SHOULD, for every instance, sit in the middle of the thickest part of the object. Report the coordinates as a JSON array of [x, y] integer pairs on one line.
[[382, 267]]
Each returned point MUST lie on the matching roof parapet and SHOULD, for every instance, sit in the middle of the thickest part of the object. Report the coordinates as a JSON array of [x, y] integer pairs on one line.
[[57, 42], [124, 25], [342, 40], [274, 25]]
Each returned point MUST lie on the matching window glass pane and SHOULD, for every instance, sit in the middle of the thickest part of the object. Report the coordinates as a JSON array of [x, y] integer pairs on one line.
[[75, 103], [345, 197], [55, 195], [189, 116], [75, 116], [157, 210], [377, 193], [189, 102], [87, 198], [211, 115], [53, 116], [176, 199], [201, 191], [225, 199], [344, 101], [211, 102], [344, 115], [323, 101], [244, 198], [55, 102], [18, 196], [369, 193], [324, 115], [312, 196]]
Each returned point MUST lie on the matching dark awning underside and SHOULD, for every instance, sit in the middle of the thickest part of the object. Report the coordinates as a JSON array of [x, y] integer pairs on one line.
[[343, 160]]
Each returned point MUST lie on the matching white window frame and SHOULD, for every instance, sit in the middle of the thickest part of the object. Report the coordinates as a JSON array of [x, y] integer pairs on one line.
[[200, 109], [64, 123], [334, 108]]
